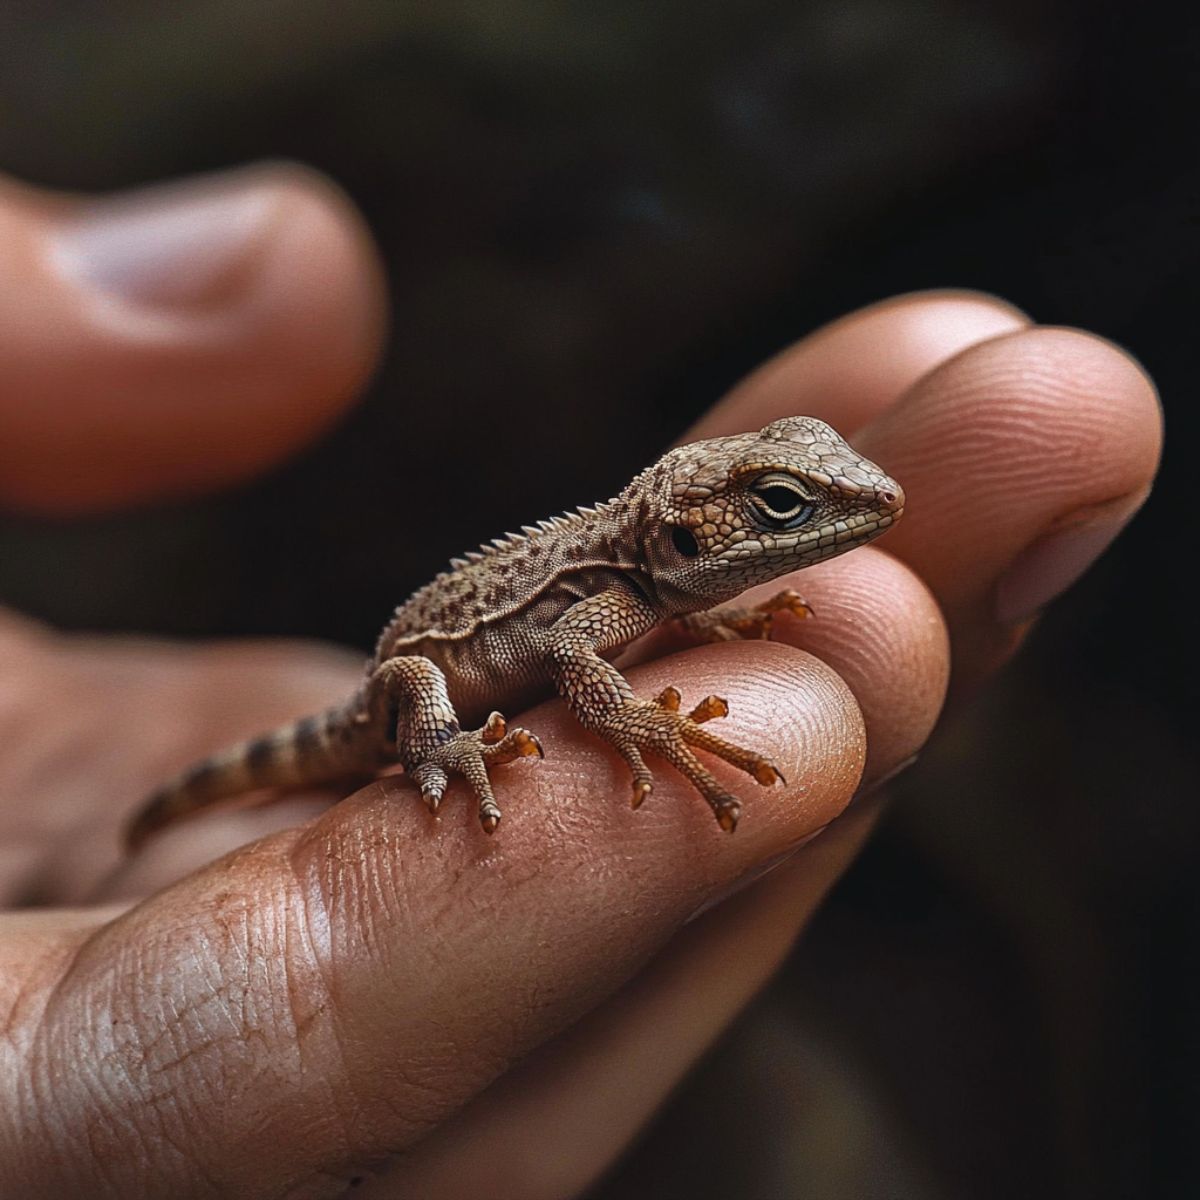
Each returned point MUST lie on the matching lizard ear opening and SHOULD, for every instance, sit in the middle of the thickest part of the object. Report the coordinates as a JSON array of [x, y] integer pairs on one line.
[[684, 542]]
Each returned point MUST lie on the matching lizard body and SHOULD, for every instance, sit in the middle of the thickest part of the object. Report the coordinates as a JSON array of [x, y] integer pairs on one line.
[[551, 606]]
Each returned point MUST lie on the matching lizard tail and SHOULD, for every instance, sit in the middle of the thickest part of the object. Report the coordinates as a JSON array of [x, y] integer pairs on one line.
[[316, 750]]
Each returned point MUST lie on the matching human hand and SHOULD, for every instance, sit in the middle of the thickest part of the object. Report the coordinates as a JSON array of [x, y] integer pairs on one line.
[[347, 986]]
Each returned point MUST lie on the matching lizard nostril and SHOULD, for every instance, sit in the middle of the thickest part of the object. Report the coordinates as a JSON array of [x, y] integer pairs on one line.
[[890, 498]]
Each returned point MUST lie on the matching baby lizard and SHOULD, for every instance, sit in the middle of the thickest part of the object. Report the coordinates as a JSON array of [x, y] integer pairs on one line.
[[550, 606]]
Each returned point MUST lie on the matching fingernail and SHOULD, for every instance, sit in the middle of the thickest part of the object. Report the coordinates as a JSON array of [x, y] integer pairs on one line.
[[169, 245], [1047, 568]]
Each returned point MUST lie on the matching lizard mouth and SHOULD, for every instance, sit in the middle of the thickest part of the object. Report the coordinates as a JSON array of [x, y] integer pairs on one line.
[[853, 531]]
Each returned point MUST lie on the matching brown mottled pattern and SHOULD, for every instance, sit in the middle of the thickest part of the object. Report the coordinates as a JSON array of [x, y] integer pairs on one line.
[[550, 605]]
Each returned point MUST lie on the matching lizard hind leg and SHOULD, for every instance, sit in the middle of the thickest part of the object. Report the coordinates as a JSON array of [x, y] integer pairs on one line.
[[430, 744]]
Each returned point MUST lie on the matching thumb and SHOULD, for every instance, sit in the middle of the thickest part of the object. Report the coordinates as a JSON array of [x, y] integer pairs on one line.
[[176, 338]]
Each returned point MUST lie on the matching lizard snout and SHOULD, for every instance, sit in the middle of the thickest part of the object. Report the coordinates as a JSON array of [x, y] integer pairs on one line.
[[890, 497]]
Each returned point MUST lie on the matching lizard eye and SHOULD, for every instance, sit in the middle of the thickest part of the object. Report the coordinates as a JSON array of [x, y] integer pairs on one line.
[[781, 502]]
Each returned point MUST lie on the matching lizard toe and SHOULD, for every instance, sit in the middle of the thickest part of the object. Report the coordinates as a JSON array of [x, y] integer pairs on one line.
[[709, 709], [518, 742], [727, 813], [470, 754], [658, 726], [494, 729], [432, 780]]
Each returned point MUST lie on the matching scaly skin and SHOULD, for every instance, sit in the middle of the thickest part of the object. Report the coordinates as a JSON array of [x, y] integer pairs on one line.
[[552, 604]]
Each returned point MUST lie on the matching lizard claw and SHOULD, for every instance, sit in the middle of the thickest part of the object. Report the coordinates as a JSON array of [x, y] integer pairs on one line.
[[432, 780], [469, 754], [789, 600], [710, 708], [494, 729], [727, 815], [767, 773]]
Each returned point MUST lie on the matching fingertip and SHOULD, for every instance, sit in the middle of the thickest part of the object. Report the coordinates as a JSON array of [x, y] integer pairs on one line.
[[1114, 385], [851, 369], [179, 337], [1006, 439], [881, 630], [1022, 458]]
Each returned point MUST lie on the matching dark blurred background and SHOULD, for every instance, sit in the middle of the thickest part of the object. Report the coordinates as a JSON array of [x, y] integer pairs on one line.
[[596, 218]]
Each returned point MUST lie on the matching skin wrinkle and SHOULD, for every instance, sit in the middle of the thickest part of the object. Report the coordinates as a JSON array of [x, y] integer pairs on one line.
[[28, 1104], [167, 1069], [269, 932], [49, 1109], [321, 892], [223, 997], [106, 1130], [284, 1017]]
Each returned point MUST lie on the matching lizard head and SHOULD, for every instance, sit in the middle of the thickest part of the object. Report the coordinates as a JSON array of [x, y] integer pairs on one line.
[[727, 513]]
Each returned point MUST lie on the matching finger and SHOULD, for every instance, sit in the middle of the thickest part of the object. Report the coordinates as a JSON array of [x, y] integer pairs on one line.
[[176, 338], [384, 966], [595, 1086], [852, 369], [1022, 458]]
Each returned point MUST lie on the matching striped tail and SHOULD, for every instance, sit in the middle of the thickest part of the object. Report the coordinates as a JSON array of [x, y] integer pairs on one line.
[[315, 750]]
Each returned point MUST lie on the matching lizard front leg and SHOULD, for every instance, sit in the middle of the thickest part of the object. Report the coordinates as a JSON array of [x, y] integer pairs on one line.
[[430, 744], [600, 697], [736, 623]]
